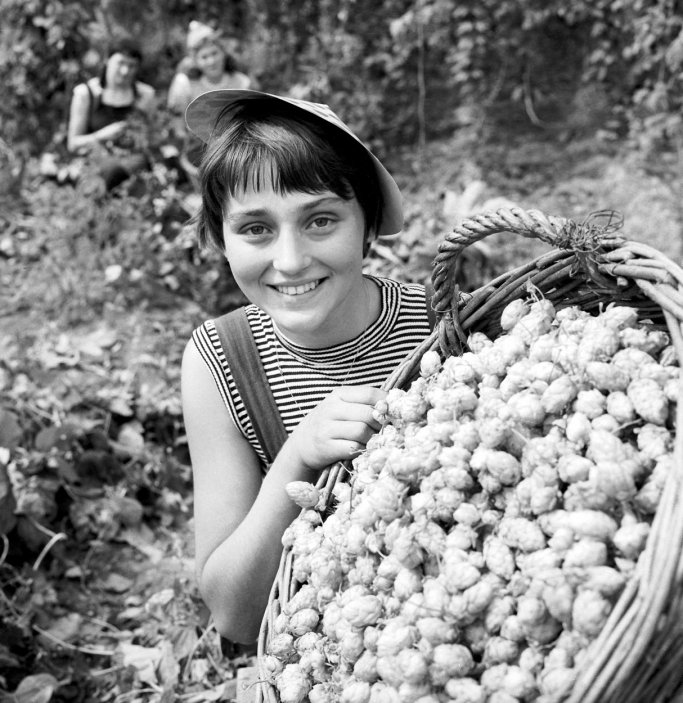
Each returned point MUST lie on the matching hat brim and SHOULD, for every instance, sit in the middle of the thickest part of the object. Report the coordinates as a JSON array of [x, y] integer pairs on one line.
[[201, 115]]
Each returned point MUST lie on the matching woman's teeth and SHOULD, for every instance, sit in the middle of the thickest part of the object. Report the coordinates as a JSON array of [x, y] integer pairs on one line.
[[297, 290]]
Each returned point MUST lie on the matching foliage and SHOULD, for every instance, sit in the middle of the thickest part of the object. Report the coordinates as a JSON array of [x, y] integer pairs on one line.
[[94, 468], [407, 70], [399, 71], [108, 252], [41, 45], [94, 474]]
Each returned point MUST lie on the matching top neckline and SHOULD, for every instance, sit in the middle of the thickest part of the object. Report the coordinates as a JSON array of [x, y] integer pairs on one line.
[[368, 339]]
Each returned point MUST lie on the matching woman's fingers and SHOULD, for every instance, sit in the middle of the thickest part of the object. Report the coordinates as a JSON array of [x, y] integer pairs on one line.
[[366, 395], [338, 428], [349, 430]]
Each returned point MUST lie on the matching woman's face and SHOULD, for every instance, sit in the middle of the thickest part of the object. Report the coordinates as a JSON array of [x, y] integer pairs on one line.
[[210, 59], [299, 257], [121, 70]]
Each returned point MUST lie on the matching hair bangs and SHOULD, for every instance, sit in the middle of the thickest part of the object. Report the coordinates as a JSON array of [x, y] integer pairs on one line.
[[274, 159]]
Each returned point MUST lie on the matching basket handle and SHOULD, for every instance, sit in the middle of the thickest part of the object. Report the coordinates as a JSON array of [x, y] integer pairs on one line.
[[528, 223], [594, 233]]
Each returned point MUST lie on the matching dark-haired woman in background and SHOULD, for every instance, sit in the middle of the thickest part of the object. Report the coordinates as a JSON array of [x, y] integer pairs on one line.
[[102, 110]]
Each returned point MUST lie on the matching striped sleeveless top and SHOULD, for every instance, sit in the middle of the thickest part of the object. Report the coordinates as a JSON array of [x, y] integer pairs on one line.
[[300, 377]]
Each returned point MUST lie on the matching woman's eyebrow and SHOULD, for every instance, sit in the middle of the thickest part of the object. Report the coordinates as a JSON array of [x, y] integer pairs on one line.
[[257, 212], [263, 212], [325, 200]]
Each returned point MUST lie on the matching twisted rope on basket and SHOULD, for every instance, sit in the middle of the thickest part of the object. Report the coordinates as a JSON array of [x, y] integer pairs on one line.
[[581, 243]]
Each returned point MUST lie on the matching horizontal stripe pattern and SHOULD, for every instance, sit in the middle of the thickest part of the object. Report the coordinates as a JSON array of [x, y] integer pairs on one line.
[[299, 377]]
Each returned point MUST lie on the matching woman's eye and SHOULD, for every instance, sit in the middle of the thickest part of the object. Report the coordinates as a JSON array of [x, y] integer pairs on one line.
[[321, 222], [256, 230]]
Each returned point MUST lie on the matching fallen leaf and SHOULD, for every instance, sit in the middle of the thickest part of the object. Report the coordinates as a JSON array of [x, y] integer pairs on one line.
[[119, 406], [144, 659], [10, 430], [135, 613], [74, 572], [7, 659], [64, 629], [142, 538], [184, 642], [156, 602], [51, 359], [116, 583], [8, 502], [56, 437], [130, 436], [113, 272], [96, 342], [37, 688], [129, 511], [168, 668]]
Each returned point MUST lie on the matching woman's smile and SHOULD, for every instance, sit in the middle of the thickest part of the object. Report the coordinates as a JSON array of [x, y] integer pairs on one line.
[[298, 289]]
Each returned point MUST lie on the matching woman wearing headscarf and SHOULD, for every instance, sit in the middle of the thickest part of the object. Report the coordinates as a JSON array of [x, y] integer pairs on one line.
[[208, 65]]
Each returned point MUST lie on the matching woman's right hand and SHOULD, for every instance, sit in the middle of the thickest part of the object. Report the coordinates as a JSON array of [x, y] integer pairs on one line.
[[111, 131], [337, 429]]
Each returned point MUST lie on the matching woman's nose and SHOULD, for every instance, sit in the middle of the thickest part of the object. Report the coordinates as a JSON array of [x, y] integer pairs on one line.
[[291, 254]]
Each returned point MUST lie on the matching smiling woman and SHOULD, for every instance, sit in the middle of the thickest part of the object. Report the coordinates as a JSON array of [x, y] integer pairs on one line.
[[299, 258], [102, 111], [208, 65], [293, 200]]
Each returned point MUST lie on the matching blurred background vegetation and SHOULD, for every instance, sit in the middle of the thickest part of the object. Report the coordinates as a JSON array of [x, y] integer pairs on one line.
[[398, 70]]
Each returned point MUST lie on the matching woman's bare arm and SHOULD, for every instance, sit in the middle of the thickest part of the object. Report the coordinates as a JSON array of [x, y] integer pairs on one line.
[[240, 517], [77, 137]]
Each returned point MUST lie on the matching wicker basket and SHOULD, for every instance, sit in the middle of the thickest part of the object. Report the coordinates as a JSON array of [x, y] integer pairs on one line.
[[638, 656]]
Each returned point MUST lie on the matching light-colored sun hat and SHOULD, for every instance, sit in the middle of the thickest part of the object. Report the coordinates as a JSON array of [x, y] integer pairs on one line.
[[203, 111], [198, 33]]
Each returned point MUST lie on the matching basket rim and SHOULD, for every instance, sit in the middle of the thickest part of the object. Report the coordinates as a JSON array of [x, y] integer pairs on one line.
[[634, 268]]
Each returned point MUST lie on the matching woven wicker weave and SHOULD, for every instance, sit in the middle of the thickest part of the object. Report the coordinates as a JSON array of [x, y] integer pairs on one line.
[[638, 656]]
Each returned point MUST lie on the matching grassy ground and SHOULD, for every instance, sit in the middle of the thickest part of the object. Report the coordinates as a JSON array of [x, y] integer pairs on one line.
[[120, 596]]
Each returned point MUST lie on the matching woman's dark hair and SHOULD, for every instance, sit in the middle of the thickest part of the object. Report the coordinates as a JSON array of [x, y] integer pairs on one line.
[[261, 141], [126, 46]]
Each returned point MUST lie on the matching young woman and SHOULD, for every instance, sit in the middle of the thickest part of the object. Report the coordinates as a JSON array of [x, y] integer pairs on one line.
[[207, 66], [293, 201], [101, 109]]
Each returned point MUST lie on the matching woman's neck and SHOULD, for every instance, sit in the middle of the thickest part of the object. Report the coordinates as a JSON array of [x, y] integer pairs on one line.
[[118, 95], [365, 312], [212, 80]]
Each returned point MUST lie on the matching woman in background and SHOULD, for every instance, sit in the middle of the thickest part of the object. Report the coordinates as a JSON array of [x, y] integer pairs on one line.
[[103, 109], [207, 66]]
